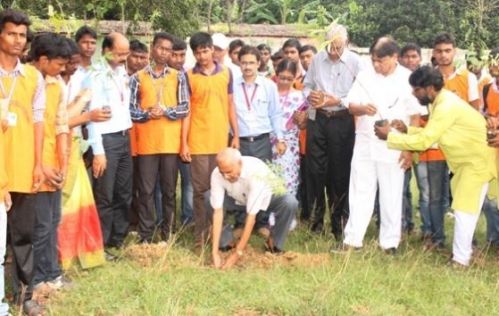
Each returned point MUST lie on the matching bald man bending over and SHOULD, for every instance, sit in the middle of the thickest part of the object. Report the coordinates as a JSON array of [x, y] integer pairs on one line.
[[247, 183], [110, 141]]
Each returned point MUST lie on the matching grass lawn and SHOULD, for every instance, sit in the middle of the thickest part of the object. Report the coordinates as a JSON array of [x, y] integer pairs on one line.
[[308, 280]]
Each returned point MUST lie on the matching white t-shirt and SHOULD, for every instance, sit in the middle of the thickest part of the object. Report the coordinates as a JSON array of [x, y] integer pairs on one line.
[[253, 188]]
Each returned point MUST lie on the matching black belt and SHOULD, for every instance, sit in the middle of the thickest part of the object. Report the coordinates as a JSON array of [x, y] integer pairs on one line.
[[334, 114], [120, 133], [254, 138]]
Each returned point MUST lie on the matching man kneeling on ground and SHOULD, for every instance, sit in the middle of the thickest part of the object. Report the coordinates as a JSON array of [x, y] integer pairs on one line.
[[250, 185]]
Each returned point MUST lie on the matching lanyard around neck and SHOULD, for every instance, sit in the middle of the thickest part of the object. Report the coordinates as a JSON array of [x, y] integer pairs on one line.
[[11, 92], [248, 101]]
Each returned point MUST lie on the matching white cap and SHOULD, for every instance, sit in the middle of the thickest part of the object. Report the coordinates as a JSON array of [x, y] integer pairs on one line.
[[220, 40]]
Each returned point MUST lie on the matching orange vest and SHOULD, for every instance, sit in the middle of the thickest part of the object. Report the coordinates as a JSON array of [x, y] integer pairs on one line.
[[209, 125], [20, 139], [3, 174], [493, 102], [160, 136], [53, 93], [459, 84]]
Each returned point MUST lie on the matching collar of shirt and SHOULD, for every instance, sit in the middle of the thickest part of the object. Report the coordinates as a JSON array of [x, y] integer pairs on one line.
[[343, 58], [18, 70], [52, 79], [164, 72], [259, 81], [197, 69], [104, 66]]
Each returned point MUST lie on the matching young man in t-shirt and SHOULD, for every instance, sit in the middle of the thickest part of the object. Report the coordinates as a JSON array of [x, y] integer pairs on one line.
[[207, 132]]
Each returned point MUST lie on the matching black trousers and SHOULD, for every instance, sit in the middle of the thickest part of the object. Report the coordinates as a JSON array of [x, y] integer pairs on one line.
[[164, 166], [260, 148], [303, 191], [113, 190], [133, 213], [21, 220], [330, 143], [48, 216]]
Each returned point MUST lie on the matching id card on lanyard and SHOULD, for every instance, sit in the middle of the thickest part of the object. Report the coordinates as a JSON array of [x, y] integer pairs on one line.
[[251, 117], [5, 114]]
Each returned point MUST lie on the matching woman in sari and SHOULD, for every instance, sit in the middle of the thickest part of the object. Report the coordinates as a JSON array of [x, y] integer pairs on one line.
[[79, 232]]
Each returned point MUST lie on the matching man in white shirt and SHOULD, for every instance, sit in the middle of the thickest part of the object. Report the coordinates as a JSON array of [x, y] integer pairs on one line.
[[110, 140], [247, 183], [379, 93]]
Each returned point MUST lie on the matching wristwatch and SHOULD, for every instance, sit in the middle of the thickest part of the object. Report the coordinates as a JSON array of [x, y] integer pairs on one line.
[[240, 253]]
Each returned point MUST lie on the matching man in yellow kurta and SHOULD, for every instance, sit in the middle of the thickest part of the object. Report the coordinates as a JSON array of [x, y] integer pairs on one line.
[[460, 131]]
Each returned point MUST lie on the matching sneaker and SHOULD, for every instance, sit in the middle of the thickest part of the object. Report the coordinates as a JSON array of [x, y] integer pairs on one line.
[[60, 283], [32, 308], [343, 248]]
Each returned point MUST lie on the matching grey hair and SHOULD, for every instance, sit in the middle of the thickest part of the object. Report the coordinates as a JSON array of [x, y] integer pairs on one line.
[[337, 31]]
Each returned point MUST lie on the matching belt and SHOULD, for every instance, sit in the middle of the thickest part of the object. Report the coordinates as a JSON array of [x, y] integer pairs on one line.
[[120, 133], [334, 114], [254, 138]]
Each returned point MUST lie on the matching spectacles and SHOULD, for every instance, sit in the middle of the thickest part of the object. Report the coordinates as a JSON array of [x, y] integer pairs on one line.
[[248, 63], [284, 78]]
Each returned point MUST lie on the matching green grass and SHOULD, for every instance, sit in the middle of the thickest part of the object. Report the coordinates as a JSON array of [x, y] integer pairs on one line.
[[316, 283], [364, 283]]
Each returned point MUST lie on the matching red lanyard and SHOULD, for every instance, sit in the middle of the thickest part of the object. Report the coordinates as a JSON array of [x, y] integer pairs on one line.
[[249, 102]]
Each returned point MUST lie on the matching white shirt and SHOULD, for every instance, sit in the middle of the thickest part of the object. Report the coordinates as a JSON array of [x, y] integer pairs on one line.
[[392, 96], [108, 87], [236, 70], [253, 188]]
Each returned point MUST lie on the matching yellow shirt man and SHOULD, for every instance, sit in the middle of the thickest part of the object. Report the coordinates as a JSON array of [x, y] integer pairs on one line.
[[460, 131]]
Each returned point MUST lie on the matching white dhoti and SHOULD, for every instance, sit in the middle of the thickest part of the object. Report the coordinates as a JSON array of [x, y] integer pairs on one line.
[[464, 229], [365, 177]]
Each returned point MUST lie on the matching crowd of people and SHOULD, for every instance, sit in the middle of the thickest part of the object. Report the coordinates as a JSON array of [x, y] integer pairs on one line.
[[91, 148]]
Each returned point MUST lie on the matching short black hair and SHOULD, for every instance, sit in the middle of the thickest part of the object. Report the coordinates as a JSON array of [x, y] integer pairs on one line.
[[179, 44], [200, 40], [384, 46], [162, 36], [277, 55], [13, 16], [306, 48], [85, 30], [264, 47], [235, 44], [73, 47], [287, 65], [50, 45], [410, 47], [138, 46], [249, 50], [444, 38], [427, 76], [292, 42]]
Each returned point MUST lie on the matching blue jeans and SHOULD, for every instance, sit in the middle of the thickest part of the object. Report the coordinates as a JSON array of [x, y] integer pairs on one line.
[[433, 184], [187, 193], [492, 216]]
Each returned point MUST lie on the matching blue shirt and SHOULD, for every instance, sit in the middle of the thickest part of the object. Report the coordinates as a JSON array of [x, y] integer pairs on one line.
[[258, 111], [109, 87]]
